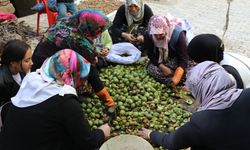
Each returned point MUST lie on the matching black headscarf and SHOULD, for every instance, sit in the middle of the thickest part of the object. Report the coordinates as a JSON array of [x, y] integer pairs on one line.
[[205, 47]]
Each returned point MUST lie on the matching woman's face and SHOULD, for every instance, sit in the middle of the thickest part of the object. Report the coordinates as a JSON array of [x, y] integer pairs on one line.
[[160, 36], [26, 62], [133, 9], [23, 65]]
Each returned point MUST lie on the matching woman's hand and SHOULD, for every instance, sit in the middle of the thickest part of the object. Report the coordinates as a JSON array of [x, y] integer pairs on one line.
[[128, 37], [104, 52], [145, 133], [140, 39], [106, 130], [96, 60], [166, 70]]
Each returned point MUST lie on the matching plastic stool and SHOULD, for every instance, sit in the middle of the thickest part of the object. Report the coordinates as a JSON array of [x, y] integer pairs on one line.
[[50, 15]]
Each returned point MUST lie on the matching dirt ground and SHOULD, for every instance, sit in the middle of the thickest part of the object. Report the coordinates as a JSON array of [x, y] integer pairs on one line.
[[210, 17], [205, 17]]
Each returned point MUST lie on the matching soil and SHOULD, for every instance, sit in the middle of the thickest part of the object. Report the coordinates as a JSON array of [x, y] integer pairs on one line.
[[107, 6], [10, 30]]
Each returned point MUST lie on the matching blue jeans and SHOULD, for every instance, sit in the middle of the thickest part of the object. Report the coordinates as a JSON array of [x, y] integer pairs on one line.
[[63, 8]]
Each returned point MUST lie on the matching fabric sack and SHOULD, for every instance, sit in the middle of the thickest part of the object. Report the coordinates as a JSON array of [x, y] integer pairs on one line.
[[123, 53], [184, 24]]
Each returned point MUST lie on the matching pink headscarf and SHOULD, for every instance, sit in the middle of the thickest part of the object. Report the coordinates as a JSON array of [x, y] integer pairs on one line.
[[67, 67], [60, 74], [160, 25]]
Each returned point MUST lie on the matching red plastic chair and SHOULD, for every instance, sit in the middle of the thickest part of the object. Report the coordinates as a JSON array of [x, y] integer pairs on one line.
[[50, 15]]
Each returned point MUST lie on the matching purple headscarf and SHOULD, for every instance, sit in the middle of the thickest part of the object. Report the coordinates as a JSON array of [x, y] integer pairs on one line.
[[212, 85]]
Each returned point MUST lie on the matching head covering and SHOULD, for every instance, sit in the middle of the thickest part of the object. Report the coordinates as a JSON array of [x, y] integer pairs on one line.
[[206, 47], [79, 30], [212, 85], [59, 74], [134, 18], [161, 25]]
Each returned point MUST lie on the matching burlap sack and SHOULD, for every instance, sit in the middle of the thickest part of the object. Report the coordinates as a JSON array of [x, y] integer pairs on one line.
[[6, 6]]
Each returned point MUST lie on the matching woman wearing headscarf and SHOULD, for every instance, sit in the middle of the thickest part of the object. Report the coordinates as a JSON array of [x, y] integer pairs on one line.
[[46, 114], [77, 32], [222, 120], [205, 47], [167, 51], [131, 19]]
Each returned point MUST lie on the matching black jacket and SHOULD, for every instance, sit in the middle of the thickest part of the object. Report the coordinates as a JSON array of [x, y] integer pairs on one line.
[[55, 124], [226, 129], [8, 86], [120, 20]]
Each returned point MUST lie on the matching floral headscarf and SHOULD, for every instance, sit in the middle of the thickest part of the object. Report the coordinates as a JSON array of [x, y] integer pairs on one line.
[[67, 67], [161, 25], [59, 74], [78, 31], [212, 86], [134, 18]]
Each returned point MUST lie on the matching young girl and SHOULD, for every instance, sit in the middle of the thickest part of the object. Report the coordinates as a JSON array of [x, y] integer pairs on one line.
[[16, 61]]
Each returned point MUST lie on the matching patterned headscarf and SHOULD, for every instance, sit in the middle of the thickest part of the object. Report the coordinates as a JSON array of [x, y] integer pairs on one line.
[[59, 74], [212, 85], [79, 30], [134, 18], [161, 25], [67, 67]]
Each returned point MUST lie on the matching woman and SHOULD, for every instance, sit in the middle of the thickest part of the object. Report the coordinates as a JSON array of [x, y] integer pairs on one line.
[[222, 120], [77, 32], [167, 52], [210, 47], [130, 20], [46, 114], [103, 44], [16, 61]]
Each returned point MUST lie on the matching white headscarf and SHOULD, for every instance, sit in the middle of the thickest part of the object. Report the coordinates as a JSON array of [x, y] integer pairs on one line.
[[139, 16], [58, 75], [36, 88], [212, 85]]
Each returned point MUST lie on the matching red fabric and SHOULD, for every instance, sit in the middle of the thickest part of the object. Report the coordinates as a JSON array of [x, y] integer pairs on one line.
[[4, 17]]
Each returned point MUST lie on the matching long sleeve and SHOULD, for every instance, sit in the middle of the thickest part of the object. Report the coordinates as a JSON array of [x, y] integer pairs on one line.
[[181, 47], [8, 86], [235, 74], [85, 50], [118, 21], [153, 54], [184, 137], [107, 41], [148, 13], [78, 128]]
